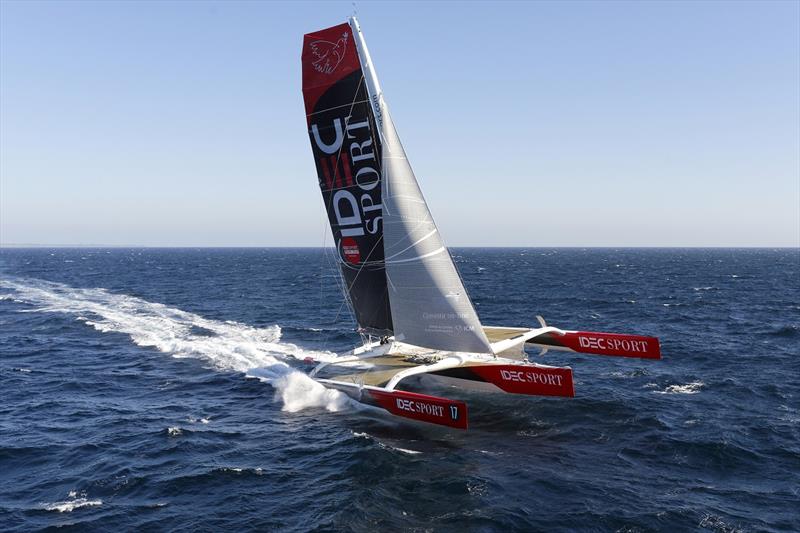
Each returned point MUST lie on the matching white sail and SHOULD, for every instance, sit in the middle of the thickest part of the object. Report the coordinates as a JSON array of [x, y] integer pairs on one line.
[[430, 306]]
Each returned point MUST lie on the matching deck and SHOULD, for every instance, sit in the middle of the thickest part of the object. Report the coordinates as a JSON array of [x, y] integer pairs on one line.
[[382, 369]]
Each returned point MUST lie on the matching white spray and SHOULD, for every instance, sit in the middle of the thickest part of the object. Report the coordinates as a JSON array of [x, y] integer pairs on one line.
[[257, 352]]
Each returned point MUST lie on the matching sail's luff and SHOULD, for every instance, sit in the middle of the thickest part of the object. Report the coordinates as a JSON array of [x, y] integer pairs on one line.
[[430, 306]]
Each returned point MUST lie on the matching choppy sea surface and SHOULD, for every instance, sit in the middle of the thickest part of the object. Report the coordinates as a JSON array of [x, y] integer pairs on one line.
[[159, 389]]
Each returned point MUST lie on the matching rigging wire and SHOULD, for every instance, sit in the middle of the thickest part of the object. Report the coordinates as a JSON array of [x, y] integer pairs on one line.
[[341, 281]]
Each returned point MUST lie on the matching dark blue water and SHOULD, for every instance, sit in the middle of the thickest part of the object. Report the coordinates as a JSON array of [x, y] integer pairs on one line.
[[125, 400]]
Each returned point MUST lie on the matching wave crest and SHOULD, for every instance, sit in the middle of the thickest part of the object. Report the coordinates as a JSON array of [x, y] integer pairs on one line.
[[689, 388], [74, 502]]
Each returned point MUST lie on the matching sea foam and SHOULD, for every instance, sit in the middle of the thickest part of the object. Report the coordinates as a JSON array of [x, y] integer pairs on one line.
[[227, 345], [73, 502], [689, 388]]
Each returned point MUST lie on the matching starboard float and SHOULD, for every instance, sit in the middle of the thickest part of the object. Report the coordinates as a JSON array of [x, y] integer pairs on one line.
[[414, 314]]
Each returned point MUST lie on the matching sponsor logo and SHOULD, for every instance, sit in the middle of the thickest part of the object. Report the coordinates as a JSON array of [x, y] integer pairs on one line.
[[350, 250], [613, 344], [376, 106], [349, 170], [454, 412], [522, 376], [423, 408], [328, 55]]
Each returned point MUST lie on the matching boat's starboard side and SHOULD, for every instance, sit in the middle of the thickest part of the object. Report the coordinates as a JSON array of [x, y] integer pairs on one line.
[[599, 343], [507, 339], [529, 379]]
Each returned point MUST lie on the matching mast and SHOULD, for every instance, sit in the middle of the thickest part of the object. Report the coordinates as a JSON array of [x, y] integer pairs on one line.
[[370, 76], [430, 306]]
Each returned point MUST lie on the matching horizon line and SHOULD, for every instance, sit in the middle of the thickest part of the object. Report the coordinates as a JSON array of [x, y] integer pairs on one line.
[[212, 247]]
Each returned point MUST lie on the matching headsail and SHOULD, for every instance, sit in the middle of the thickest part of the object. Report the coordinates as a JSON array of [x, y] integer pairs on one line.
[[347, 153], [430, 306]]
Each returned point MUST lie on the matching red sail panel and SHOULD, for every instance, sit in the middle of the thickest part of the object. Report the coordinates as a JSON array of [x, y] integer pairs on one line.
[[329, 56], [347, 154], [526, 379], [421, 407]]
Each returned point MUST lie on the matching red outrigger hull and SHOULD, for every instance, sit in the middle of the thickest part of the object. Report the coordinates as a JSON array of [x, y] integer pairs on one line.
[[597, 343]]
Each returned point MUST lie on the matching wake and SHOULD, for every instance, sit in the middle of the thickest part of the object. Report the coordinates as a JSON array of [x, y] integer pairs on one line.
[[226, 345]]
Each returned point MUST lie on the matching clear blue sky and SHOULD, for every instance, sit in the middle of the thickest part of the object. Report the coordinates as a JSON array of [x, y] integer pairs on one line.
[[530, 124]]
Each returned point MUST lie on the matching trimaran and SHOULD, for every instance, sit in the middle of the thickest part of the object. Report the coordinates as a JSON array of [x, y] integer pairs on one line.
[[413, 311]]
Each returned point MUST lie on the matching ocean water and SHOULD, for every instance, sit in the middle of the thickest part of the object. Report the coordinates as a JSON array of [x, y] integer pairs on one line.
[[160, 389]]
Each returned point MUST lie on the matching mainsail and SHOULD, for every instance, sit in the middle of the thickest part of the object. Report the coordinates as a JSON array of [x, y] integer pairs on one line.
[[430, 306], [347, 152]]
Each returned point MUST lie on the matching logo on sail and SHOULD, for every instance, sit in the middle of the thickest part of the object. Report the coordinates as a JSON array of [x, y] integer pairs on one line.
[[350, 250], [329, 55]]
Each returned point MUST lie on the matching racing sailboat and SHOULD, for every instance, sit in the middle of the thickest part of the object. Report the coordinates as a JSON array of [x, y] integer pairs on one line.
[[413, 311]]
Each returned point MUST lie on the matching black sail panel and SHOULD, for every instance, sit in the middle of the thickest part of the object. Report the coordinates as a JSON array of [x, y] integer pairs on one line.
[[347, 154]]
